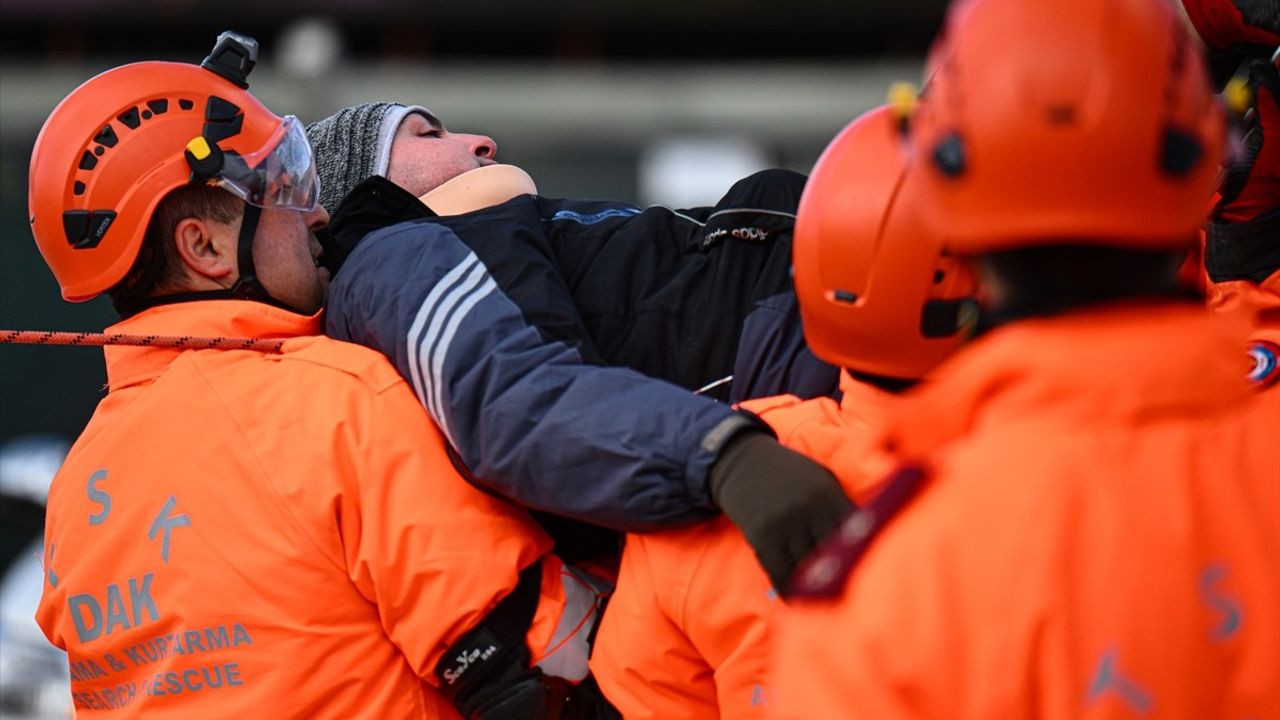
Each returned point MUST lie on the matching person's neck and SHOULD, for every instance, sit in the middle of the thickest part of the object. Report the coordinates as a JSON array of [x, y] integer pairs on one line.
[[1052, 280], [884, 382]]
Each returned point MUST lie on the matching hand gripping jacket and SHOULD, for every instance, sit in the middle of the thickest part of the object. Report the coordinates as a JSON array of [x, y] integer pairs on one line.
[[1119, 150], [876, 292], [1241, 237], [1242, 250], [1088, 514], [688, 630], [511, 323], [300, 503]]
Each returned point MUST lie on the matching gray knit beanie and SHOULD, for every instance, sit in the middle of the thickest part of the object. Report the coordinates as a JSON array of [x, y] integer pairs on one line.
[[353, 145]]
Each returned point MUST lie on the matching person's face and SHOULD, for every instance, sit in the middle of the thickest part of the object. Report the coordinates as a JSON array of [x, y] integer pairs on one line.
[[285, 252], [424, 155]]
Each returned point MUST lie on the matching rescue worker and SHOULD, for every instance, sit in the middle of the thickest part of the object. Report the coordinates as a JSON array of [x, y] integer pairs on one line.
[[1237, 261], [687, 631], [1087, 515], [538, 333], [1242, 242], [249, 534]]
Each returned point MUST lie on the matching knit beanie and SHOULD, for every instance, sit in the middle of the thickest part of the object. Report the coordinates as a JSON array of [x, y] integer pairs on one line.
[[353, 145]]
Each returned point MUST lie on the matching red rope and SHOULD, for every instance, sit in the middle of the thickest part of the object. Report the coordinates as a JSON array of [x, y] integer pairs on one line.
[[50, 337]]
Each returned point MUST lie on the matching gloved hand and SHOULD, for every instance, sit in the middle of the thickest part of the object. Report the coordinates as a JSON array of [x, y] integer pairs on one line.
[[545, 697], [1252, 184], [1243, 239], [587, 702], [783, 502]]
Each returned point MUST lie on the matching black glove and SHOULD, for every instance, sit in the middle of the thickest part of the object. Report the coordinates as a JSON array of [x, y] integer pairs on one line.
[[544, 697], [587, 702], [1242, 240], [524, 696], [783, 502]]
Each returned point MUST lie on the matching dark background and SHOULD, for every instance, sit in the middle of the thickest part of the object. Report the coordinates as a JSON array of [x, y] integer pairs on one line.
[[565, 30]]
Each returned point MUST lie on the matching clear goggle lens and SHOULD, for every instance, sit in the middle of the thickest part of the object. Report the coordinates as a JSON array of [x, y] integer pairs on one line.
[[282, 175]]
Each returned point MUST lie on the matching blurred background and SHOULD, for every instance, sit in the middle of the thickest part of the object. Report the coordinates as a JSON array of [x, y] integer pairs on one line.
[[665, 101]]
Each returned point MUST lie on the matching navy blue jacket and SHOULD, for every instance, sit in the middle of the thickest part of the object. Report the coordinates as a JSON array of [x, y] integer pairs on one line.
[[555, 342]]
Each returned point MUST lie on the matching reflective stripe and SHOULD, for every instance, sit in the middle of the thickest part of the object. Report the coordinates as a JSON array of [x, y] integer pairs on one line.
[[434, 327], [450, 330], [751, 211], [594, 218], [567, 652], [420, 321]]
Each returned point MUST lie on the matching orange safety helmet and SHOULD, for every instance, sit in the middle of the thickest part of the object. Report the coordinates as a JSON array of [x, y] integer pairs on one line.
[[116, 146], [876, 293], [1068, 122]]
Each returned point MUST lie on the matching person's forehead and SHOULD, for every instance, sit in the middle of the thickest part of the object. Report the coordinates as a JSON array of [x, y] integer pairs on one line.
[[417, 118]]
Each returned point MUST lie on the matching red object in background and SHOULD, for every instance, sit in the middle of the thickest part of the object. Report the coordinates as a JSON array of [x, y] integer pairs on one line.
[[1221, 23], [90, 339]]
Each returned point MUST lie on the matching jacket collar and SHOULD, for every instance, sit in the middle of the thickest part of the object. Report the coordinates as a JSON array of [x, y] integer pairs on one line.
[[1259, 301], [867, 403], [130, 365], [1125, 360], [373, 204]]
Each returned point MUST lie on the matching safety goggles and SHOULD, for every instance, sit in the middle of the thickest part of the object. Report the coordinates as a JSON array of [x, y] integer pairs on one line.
[[282, 175]]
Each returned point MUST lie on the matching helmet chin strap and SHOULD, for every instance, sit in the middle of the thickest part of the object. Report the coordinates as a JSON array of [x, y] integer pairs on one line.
[[246, 287]]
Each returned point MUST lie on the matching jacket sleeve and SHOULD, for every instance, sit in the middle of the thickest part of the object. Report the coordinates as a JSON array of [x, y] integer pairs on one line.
[[433, 553], [776, 359], [509, 374], [685, 635], [694, 295], [643, 661], [726, 616], [900, 641]]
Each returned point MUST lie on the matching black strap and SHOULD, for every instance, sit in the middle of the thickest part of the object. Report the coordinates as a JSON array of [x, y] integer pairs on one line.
[[1244, 250], [494, 645], [247, 287], [128, 307], [824, 572]]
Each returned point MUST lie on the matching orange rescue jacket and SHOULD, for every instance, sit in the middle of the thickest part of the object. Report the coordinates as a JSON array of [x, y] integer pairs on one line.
[[244, 534], [1261, 304], [686, 633], [1097, 536]]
